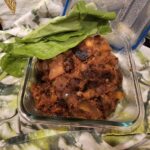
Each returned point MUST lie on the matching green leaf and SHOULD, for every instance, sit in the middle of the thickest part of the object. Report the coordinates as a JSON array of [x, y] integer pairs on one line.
[[64, 37], [2, 45], [13, 65], [6, 47], [71, 22], [3, 75], [50, 49], [104, 29], [59, 35], [58, 25]]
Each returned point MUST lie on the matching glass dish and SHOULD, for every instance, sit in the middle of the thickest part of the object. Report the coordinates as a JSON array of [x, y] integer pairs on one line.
[[129, 112]]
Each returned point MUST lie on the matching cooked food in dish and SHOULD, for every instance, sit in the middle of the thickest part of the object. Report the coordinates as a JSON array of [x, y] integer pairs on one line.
[[84, 82]]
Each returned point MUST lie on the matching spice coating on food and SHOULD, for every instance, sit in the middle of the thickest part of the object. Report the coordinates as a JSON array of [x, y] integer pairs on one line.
[[83, 82]]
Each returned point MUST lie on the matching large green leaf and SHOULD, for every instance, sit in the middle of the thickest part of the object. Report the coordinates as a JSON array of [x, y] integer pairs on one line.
[[13, 65], [59, 35]]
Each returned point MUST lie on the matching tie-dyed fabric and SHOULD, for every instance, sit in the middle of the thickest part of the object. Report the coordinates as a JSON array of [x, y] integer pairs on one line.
[[19, 21]]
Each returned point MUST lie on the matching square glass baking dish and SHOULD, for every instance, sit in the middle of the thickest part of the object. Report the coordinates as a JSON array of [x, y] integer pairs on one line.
[[128, 114]]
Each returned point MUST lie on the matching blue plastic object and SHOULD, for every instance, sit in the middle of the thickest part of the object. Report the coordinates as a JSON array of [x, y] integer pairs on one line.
[[65, 7], [141, 37]]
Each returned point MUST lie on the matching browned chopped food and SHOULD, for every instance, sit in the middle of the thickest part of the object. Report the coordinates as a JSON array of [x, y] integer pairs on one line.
[[83, 82]]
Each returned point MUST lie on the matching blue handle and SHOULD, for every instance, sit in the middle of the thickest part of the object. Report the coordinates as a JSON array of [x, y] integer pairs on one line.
[[141, 37], [65, 7]]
